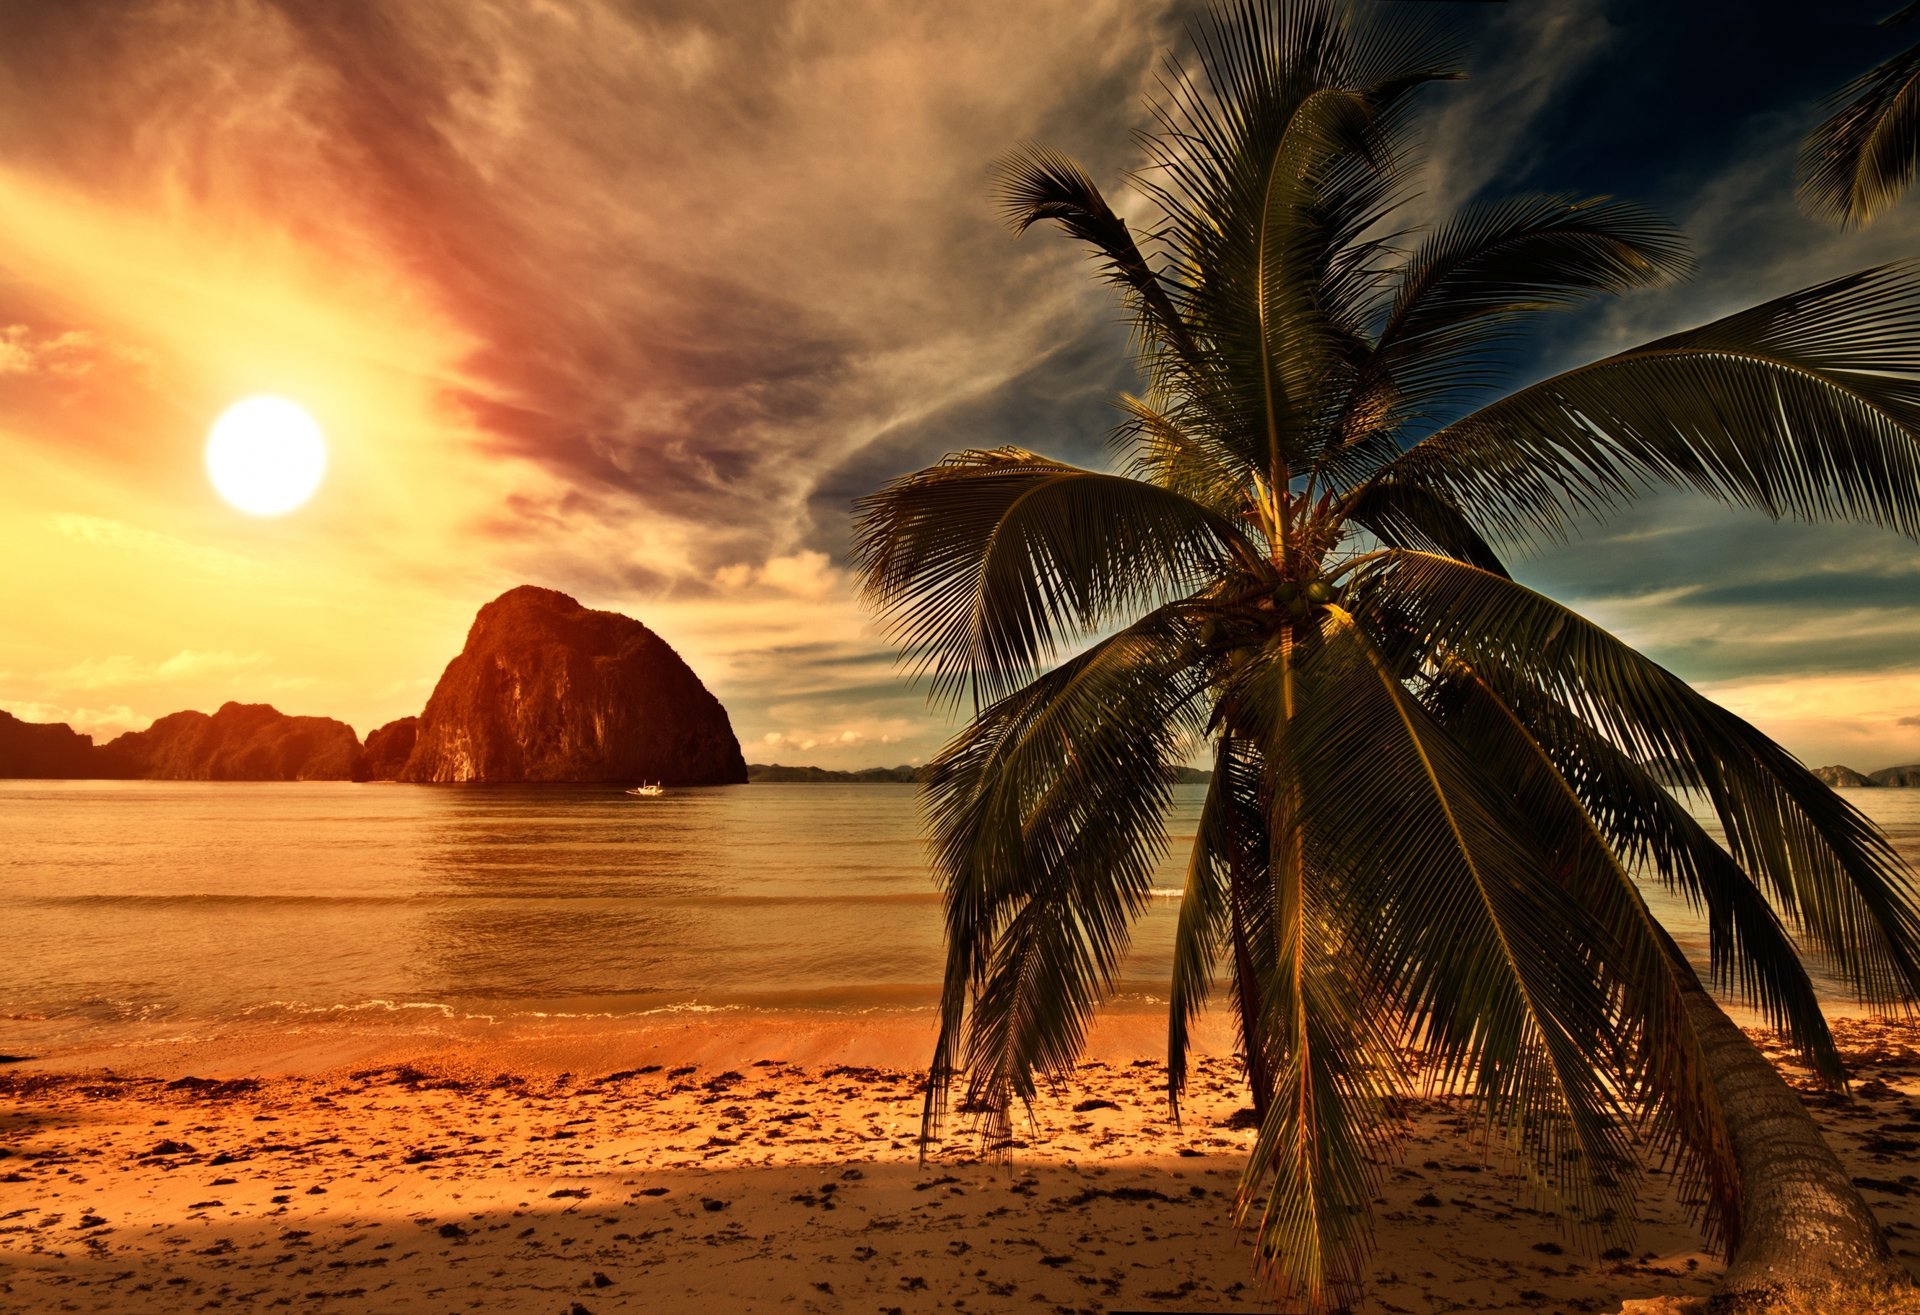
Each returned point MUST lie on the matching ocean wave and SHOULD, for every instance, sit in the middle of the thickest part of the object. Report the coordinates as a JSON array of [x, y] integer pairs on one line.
[[688, 1007], [301, 1009], [118, 1009]]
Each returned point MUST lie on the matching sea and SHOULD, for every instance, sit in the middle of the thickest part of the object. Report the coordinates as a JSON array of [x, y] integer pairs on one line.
[[150, 911]]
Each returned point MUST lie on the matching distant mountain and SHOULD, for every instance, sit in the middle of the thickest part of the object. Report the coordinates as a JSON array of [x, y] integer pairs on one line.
[[548, 690], [1907, 776], [241, 742], [52, 750], [774, 772]]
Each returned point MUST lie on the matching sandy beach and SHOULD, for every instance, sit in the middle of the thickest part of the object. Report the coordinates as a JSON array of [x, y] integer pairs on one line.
[[757, 1175]]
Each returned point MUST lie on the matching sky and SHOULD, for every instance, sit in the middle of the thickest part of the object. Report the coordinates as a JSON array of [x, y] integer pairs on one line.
[[633, 300]]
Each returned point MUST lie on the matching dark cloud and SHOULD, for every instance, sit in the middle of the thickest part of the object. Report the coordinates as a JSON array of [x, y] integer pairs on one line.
[[1060, 405], [703, 250], [1675, 541], [1744, 655], [830, 656], [1718, 594], [1816, 591]]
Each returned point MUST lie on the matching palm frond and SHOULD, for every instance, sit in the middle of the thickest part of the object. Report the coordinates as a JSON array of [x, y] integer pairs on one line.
[[1273, 167], [1037, 183], [1862, 157], [1180, 449], [1047, 816], [982, 565], [1824, 865], [1668, 1076], [1409, 516], [1316, 1161], [1230, 842], [1750, 953], [1472, 284], [1418, 868], [1806, 406], [1321, 1028]]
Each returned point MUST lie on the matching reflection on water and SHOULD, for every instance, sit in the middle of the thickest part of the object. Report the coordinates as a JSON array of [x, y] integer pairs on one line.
[[144, 902]]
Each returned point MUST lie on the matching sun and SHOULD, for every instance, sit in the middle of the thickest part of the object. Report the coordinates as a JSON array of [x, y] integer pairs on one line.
[[265, 456]]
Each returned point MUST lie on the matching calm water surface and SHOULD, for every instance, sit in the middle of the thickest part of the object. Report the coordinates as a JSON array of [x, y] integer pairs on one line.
[[148, 909]]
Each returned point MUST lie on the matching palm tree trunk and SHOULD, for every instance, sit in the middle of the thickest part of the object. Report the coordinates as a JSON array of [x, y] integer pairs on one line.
[[1803, 1225]]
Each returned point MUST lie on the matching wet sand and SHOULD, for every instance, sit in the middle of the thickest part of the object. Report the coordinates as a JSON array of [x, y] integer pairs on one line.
[[735, 1167]]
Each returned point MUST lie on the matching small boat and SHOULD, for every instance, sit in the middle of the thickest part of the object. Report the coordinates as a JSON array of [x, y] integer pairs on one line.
[[648, 790]]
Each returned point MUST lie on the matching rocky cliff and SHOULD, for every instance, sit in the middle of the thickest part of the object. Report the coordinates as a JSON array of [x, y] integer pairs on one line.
[[1909, 775], [54, 750], [548, 690], [241, 742], [1843, 778], [388, 749]]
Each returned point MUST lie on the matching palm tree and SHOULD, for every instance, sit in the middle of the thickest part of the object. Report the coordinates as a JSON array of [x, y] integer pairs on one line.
[[1858, 162], [1432, 786]]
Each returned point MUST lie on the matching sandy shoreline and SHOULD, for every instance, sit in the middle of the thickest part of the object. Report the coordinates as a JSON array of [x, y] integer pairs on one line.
[[890, 1038], [758, 1167]]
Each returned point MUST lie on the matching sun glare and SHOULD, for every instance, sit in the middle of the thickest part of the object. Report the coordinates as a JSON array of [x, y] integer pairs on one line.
[[266, 455]]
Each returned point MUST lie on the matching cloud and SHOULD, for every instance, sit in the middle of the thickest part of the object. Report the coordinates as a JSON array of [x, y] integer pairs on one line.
[[1485, 132], [805, 574], [151, 545], [1866, 720], [15, 357], [862, 744], [121, 671], [72, 356], [101, 723], [1716, 594], [190, 665]]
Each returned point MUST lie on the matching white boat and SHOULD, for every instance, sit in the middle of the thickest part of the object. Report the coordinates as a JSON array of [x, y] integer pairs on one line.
[[648, 790]]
